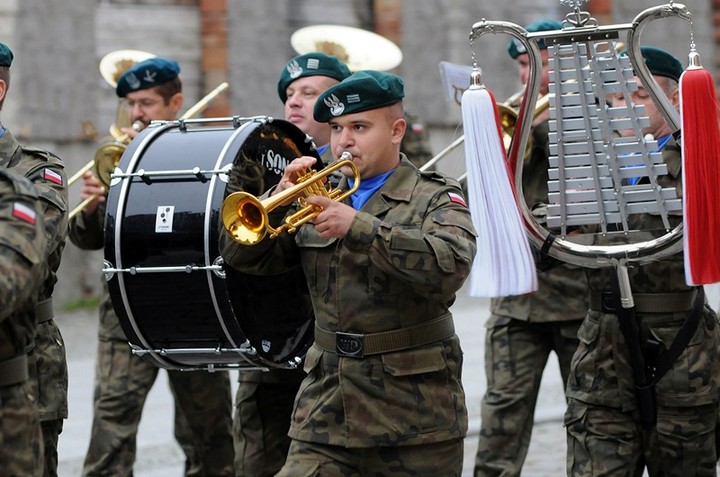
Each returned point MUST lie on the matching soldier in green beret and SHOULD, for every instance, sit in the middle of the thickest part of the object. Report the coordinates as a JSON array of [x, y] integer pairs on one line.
[[264, 399], [522, 331], [152, 90], [23, 252], [383, 393], [47, 361], [668, 424]]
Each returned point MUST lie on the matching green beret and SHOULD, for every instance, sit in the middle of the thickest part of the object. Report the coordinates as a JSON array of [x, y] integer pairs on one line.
[[310, 64], [515, 48], [660, 62], [6, 55], [146, 74], [361, 91]]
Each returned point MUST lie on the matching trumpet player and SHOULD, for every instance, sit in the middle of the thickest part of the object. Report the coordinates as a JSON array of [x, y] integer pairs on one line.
[[523, 330], [383, 394], [46, 361], [152, 90]]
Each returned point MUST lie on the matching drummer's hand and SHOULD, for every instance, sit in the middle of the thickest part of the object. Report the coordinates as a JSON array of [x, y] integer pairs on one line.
[[91, 186], [335, 219], [295, 169]]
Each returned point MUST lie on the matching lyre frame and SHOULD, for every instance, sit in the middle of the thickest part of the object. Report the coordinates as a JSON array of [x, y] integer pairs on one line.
[[591, 256]]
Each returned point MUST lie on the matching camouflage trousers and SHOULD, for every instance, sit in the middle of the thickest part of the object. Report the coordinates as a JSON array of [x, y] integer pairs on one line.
[[515, 356], [49, 373], [263, 410], [21, 445], [604, 431], [51, 430], [308, 459], [606, 442], [122, 384]]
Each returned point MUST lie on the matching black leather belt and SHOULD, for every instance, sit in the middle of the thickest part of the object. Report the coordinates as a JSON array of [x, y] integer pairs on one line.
[[13, 370], [358, 345], [647, 302], [44, 310]]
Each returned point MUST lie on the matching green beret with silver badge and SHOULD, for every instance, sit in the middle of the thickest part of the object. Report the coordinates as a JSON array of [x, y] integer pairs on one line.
[[362, 91], [515, 48], [310, 64], [660, 62], [6, 55], [147, 74]]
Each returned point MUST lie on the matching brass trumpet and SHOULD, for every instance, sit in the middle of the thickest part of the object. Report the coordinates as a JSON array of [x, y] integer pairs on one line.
[[508, 118], [245, 217]]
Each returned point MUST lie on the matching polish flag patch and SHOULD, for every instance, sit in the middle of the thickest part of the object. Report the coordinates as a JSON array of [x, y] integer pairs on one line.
[[53, 176], [25, 213], [457, 198]]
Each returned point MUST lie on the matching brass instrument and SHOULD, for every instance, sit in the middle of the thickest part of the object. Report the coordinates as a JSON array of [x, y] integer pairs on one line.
[[359, 49], [508, 118], [245, 217]]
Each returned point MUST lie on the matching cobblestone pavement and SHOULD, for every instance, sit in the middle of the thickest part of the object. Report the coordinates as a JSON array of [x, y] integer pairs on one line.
[[159, 455]]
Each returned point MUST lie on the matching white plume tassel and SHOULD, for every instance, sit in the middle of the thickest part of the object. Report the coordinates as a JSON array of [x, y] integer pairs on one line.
[[504, 263]]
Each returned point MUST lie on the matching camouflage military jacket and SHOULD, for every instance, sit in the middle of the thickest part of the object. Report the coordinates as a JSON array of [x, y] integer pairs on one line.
[[562, 290], [22, 263], [47, 172], [408, 250]]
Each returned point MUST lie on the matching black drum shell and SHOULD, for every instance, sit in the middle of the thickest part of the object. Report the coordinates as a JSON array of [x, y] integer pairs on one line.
[[177, 303]]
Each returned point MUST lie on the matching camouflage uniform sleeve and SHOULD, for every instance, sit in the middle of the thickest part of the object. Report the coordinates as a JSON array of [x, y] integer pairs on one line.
[[86, 231], [435, 257], [47, 172], [22, 242]]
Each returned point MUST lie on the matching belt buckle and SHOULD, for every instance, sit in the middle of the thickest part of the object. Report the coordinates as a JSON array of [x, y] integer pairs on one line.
[[349, 344]]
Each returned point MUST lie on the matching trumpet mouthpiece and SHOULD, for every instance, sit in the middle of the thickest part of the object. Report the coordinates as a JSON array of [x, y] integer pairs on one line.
[[345, 156]]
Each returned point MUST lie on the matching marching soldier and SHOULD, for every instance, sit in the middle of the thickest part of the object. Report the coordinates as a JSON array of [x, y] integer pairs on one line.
[[47, 360], [22, 270], [383, 393], [644, 387], [523, 330]]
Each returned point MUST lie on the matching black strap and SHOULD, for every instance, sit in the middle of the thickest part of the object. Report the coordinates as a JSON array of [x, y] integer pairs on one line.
[[666, 359], [13, 371], [644, 392]]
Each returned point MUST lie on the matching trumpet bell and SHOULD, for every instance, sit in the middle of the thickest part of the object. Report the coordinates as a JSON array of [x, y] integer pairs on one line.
[[359, 49], [244, 217]]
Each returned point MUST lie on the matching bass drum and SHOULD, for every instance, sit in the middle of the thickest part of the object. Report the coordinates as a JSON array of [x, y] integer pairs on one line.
[[178, 305]]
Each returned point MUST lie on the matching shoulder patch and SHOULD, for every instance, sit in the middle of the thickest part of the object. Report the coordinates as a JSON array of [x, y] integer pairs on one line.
[[24, 212], [52, 176], [457, 198]]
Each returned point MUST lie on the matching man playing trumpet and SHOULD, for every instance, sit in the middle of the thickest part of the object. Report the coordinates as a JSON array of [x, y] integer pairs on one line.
[[383, 392]]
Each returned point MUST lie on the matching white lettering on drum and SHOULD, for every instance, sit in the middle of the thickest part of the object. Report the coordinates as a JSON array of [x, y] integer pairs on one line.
[[275, 162]]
